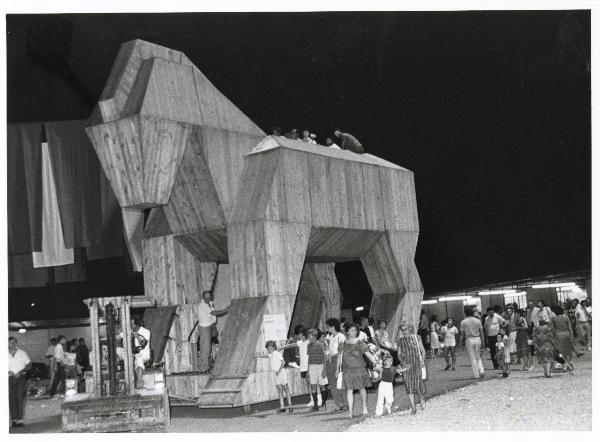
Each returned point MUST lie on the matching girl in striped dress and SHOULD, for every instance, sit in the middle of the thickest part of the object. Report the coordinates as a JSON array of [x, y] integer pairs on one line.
[[412, 357]]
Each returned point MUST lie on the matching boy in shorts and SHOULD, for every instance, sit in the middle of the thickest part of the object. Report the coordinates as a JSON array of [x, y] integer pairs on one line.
[[281, 377], [316, 368]]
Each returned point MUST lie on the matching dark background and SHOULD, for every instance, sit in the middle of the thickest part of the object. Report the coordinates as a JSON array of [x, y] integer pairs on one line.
[[491, 110]]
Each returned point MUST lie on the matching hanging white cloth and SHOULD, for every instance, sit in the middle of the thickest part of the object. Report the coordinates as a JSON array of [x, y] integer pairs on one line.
[[53, 251]]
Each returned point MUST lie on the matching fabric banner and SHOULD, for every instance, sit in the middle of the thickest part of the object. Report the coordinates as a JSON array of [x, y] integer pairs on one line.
[[75, 272], [53, 251], [24, 191], [112, 224], [22, 274], [76, 171]]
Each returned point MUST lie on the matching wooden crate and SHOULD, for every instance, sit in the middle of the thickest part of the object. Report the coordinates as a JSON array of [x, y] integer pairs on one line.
[[138, 412]]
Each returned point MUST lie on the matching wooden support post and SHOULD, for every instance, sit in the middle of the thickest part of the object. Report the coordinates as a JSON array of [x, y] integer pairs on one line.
[[126, 329], [391, 271], [96, 348]]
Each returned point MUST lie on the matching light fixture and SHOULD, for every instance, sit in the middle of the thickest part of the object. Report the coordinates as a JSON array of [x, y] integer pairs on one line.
[[553, 285], [453, 298], [33, 304], [510, 295], [496, 292], [360, 309], [429, 301], [22, 330]]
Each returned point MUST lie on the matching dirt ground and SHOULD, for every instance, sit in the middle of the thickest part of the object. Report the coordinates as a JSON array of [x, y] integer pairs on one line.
[[524, 401], [531, 394]]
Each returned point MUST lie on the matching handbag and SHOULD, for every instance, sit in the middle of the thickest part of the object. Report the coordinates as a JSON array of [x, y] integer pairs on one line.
[[340, 382]]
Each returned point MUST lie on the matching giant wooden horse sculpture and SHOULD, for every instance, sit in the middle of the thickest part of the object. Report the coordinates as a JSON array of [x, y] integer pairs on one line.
[[273, 214]]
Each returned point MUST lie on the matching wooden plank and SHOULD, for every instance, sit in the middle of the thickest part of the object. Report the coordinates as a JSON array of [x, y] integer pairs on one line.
[[133, 229]]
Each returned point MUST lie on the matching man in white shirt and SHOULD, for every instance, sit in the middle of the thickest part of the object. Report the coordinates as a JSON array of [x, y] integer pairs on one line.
[[59, 370], [207, 320], [336, 339], [18, 365], [141, 349]]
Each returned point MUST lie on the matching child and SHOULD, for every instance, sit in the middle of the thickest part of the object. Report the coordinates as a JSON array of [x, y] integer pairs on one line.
[[385, 392], [316, 368], [281, 377], [449, 332], [301, 344], [503, 354]]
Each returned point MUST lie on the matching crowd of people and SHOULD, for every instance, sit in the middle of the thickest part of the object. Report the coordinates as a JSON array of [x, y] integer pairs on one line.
[[347, 357], [347, 141], [66, 360], [514, 336]]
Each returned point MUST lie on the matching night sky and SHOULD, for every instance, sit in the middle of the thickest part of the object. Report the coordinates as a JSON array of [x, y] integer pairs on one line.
[[491, 110]]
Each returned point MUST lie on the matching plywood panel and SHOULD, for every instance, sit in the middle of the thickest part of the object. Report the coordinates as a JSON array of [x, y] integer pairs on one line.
[[239, 343], [217, 111], [157, 223], [255, 187], [399, 200], [336, 243], [225, 151], [119, 148], [133, 228], [309, 301], [124, 73], [194, 203], [330, 290], [266, 257], [222, 295], [320, 191], [172, 275], [403, 246], [206, 245], [289, 200], [163, 142], [169, 93]]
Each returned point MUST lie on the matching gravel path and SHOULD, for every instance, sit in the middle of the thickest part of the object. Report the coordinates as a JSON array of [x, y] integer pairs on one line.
[[449, 390], [524, 401]]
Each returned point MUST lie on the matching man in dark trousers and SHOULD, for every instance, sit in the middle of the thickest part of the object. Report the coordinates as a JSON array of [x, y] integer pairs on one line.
[[83, 355], [349, 142], [59, 376], [18, 365]]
